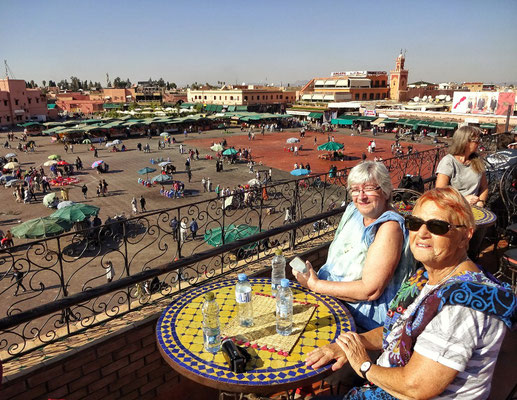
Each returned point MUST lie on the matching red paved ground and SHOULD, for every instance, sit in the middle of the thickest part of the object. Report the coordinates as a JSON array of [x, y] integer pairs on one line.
[[269, 149]]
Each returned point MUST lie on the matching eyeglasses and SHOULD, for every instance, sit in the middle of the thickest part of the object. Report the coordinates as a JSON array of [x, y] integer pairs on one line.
[[367, 190], [435, 226]]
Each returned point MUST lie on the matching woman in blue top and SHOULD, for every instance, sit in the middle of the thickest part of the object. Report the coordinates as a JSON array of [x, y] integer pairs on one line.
[[369, 257]]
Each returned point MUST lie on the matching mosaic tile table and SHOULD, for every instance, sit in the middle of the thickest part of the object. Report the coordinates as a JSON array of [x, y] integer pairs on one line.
[[180, 340]]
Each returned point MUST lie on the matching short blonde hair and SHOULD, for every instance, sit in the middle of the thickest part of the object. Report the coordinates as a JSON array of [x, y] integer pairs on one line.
[[451, 200]]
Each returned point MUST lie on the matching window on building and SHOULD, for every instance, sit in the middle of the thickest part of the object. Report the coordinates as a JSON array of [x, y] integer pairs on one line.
[[377, 96], [357, 96], [7, 119], [29, 99], [18, 118], [365, 96], [251, 97], [286, 97], [231, 97], [219, 97], [383, 83], [371, 96], [16, 101], [5, 102], [384, 95], [226, 97], [245, 98], [205, 97]]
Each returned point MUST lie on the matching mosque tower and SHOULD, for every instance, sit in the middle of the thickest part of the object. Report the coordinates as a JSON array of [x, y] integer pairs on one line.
[[399, 80]]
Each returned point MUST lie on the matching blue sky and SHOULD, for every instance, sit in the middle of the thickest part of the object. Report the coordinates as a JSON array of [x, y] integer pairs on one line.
[[257, 41]]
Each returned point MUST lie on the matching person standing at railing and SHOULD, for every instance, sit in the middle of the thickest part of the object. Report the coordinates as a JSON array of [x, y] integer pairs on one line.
[[369, 257]]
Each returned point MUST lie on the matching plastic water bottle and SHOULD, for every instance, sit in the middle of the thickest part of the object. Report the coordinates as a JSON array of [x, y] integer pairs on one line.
[[284, 309], [211, 327], [243, 297], [277, 271]]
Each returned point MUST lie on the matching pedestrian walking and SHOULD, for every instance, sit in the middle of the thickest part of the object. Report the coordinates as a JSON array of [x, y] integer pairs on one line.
[[193, 228], [110, 271], [18, 277], [134, 208], [142, 203], [104, 187], [183, 230], [84, 189], [203, 182], [189, 174], [71, 148], [95, 154], [208, 185], [174, 227]]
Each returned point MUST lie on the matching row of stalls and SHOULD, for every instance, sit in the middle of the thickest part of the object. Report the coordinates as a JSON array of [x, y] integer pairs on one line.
[[410, 126], [98, 130]]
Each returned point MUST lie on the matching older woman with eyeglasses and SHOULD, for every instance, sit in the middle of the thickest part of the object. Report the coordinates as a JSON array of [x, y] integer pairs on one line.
[[369, 257], [462, 168], [444, 328]]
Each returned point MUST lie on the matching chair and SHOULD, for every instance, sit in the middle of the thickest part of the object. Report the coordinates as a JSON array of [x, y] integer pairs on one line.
[[508, 192]]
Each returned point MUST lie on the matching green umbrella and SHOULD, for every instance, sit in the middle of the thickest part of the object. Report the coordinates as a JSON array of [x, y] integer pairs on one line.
[[76, 212], [229, 152], [54, 157], [331, 146], [146, 171], [86, 141], [41, 227], [161, 179], [214, 237]]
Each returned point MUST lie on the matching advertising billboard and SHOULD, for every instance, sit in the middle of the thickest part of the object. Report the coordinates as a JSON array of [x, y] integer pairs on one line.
[[483, 103]]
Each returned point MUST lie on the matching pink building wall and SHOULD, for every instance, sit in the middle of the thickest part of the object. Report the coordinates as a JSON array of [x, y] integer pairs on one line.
[[22, 104]]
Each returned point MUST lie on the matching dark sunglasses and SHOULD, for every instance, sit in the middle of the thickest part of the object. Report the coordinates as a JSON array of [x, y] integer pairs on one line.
[[434, 226]]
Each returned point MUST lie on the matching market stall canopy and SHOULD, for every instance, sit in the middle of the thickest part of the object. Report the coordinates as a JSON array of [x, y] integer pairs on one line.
[[76, 212], [146, 170], [54, 157], [41, 227], [217, 147], [300, 172], [11, 165], [161, 179], [214, 237], [331, 146], [229, 152]]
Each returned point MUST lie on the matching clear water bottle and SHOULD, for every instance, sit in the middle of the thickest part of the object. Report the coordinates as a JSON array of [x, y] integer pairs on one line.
[[284, 309], [277, 271], [243, 296], [211, 327]]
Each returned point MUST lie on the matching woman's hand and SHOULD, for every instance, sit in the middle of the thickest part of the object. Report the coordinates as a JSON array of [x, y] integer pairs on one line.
[[355, 352], [323, 355], [309, 279], [472, 199]]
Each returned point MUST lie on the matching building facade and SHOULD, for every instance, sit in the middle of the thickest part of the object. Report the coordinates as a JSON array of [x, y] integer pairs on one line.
[[244, 95], [18, 104], [78, 103], [113, 95], [346, 86]]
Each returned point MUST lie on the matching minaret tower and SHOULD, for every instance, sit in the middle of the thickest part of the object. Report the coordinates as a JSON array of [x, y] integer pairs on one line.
[[399, 79]]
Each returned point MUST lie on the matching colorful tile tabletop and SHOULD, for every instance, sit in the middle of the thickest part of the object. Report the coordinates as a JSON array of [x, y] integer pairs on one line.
[[180, 337]]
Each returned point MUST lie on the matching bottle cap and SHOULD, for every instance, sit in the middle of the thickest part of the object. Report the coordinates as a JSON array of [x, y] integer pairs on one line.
[[278, 252], [209, 296], [242, 277], [284, 282]]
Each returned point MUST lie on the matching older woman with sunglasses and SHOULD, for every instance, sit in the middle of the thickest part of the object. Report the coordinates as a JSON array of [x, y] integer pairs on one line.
[[444, 328], [463, 169], [369, 257]]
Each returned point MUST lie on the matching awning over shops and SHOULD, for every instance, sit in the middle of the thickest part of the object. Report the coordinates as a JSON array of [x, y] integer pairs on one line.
[[378, 121], [366, 118], [316, 115], [110, 106], [231, 108], [339, 121], [29, 124], [241, 108], [298, 112], [487, 126], [187, 105]]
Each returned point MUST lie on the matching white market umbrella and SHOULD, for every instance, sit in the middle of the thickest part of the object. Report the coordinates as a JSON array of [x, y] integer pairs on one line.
[[164, 134], [117, 141], [164, 163], [11, 165], [293, 140], [64, 204], [10, 155], [49, 163]]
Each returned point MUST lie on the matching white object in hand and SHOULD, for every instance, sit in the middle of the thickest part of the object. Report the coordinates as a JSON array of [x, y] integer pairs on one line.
[[298, 265]]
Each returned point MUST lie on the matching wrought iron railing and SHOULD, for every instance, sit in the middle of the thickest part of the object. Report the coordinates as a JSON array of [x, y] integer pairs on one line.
[[65, 277]]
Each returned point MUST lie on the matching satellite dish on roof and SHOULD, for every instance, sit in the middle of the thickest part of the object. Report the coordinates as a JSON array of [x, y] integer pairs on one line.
[[448, 98], [416, 98], [441, 97], [424, 98]]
